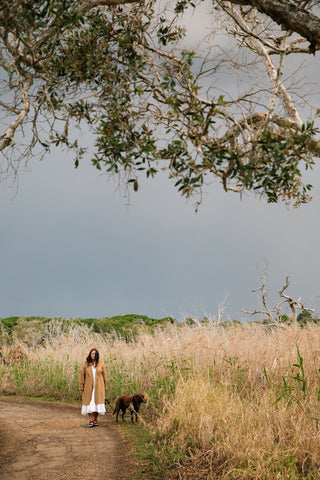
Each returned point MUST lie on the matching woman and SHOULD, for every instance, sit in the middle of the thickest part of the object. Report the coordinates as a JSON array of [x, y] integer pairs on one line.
[[93, 384]]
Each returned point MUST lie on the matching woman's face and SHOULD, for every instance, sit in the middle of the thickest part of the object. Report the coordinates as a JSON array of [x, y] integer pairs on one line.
[[93, 354]]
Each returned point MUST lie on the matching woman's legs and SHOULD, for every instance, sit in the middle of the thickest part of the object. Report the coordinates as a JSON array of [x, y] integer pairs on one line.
[[91, 418], [95, 419]]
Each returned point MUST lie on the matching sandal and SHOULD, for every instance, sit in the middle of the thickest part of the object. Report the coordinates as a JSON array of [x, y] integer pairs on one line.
[[91, 424], [96, 423]]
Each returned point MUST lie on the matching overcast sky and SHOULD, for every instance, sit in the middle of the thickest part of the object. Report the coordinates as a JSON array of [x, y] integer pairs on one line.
[[71, 246]]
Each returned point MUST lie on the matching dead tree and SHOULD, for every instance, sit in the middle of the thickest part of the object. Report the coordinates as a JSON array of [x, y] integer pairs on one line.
[[275, 313]]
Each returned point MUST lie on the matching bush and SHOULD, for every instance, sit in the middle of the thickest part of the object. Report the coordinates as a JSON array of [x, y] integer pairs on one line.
[[33, 330], [304, 317]]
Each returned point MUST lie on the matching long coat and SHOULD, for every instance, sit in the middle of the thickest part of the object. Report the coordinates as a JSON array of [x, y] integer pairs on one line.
[[86, 383]]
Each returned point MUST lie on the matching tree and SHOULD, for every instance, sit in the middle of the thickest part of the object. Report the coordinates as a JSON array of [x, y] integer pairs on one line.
[[294, 16], [119, 68], [274, 315]]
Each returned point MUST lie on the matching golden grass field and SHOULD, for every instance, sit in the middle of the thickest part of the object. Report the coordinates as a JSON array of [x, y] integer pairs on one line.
[[235, 402]]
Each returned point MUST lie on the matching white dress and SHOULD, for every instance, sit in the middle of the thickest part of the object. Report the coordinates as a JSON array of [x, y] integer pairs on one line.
[[100, 408]]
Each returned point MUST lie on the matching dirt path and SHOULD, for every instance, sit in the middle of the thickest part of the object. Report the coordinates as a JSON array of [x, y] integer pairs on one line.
[[49, 441]]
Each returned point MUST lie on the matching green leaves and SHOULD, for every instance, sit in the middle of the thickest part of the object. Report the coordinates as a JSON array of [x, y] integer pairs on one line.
[[275, 165], [181, 5], [168, 32], [294, 390], [118, 72]]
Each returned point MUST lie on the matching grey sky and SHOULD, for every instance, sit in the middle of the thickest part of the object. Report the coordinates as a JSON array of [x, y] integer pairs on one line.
[[70, 246]]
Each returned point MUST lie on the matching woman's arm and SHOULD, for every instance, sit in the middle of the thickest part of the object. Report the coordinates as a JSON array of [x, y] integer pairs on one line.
[[82, 377], [104, 373]]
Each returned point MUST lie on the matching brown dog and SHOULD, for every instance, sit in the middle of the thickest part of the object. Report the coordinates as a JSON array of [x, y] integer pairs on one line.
[[131, 402]]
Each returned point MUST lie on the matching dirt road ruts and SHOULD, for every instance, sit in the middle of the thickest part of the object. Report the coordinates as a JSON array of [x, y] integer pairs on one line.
[[51, 441]]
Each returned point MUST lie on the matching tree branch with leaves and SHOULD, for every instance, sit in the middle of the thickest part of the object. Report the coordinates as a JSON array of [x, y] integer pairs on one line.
[[120, 72]]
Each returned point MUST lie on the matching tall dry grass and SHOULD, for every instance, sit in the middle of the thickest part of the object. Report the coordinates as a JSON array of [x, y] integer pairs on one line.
[[233, 403]]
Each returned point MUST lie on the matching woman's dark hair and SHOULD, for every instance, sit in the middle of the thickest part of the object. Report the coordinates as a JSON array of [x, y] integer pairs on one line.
[[89, 359]]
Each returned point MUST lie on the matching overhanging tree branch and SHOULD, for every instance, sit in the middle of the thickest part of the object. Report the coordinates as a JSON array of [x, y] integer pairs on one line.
[[150, 104], [290, 17]]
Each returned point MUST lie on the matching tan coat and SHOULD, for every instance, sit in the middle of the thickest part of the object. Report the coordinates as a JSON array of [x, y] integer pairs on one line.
[[86, 383]]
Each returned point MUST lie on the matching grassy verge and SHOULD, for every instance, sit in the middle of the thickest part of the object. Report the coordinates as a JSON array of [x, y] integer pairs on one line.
[[149, 465]]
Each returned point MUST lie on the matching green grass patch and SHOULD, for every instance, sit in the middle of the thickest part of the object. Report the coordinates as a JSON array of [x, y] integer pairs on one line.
[[151, 465]]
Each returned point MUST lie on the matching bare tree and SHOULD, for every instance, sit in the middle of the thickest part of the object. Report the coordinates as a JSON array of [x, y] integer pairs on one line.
[[275, 314]]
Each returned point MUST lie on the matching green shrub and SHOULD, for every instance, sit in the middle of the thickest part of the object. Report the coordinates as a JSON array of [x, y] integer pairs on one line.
[[33, 330], [304, 317]]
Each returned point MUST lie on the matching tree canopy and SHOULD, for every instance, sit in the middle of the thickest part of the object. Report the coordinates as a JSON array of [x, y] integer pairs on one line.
[[120, 70]]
